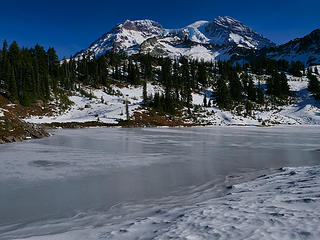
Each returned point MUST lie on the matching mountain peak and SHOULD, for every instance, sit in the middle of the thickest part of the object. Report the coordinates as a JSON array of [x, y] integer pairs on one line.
[[140, 25], [232, 24], [227, 30], [221, 32], [226, 19]]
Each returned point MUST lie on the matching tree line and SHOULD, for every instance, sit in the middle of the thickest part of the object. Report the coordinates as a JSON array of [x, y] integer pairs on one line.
[[27, 75]]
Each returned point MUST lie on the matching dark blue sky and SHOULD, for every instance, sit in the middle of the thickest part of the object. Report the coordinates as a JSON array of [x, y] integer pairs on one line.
[[71, 25]]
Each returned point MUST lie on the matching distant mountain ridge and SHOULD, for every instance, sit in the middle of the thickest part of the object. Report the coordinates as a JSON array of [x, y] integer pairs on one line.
[[124, 36], [223, 38], [305, 49], [202, 39], [226, 30]]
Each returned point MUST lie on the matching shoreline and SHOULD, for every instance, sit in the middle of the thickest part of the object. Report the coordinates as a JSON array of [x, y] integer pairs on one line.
[[40, 130], [13, 129]]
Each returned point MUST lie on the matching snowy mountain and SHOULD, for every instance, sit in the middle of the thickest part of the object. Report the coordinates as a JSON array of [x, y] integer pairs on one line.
[[219, 39], [225, 31], [306, 49], [124, 36]]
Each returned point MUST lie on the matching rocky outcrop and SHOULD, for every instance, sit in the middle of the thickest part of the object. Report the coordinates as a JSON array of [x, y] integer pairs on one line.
[[12, 129]]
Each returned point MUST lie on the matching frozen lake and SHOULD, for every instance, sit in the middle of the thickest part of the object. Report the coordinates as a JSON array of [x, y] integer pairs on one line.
[[89, 183]]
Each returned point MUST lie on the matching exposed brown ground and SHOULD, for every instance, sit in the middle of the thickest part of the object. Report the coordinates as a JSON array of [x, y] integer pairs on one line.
[[78, 124], [13, 129], [149, 118]]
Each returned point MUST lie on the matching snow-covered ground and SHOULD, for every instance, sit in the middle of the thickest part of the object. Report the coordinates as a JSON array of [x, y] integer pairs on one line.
[[305, 110], [284, 205], [110, 108]]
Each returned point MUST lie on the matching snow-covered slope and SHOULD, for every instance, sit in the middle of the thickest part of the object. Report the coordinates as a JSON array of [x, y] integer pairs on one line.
[[306, 50], [110, 107], [303, 111], [202, 37], [220, 39], [225, 31], [124, 36], [105, 107]]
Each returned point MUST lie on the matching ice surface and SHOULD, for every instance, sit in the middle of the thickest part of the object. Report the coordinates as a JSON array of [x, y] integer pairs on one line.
[[162, 183], [284, 205]]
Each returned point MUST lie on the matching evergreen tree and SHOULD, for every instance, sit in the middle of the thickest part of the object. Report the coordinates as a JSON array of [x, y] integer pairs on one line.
[[15, 71], [127, 110], [176, 80], [205, 100], [133, 73], [260, 96], [147, 66], [235, 87], [144, 92], [285, 91], [157, 103], [245, 81], [202, 74], [277, 85], [4, 65], [223, 97], [53, 68], [13, 86], [165, 75], [193, 73], [252, 93], [314, 86], [248, 107], [296, 68], [187, 90]]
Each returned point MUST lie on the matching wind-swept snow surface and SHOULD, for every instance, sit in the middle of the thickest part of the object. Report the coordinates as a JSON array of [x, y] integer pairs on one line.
[[284, 206]]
